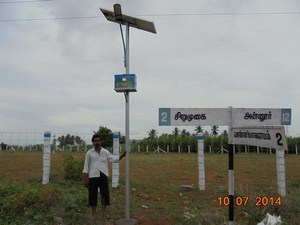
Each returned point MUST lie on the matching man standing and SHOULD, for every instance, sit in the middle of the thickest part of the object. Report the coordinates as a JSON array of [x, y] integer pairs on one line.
[[95, 174]]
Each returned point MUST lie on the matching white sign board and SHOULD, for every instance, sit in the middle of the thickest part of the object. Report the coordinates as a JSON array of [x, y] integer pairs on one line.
[[268, 137], [261, 116], [193, 116], [220, 116]]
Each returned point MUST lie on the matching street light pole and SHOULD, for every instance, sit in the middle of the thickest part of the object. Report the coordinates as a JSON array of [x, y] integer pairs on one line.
[[127, 183], [128, 21]]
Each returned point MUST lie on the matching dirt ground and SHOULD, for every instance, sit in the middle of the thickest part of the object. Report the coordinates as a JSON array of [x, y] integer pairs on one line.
[[163, 174]]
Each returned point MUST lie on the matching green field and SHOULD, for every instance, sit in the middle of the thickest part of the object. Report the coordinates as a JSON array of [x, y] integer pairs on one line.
[[156, 197]]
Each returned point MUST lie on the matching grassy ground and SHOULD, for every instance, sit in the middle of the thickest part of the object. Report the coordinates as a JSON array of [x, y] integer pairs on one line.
[[156, 197]]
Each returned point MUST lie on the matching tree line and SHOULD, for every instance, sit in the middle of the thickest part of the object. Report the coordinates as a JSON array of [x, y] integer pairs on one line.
[[214, 140]]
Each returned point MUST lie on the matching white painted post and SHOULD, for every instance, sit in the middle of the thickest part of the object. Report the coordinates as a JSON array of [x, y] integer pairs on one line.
[[296, 149], [209, 149], [201, 161], [280, 172], [189, 149], [222, 149], [257, 149], [168, 149], [115, 165], [139, 148], [245, 148], [147, 148], [179, 149], [46, 157], [270, 150]]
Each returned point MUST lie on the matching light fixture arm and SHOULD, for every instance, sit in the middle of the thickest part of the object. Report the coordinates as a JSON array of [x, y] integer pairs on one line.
[[124, 47]]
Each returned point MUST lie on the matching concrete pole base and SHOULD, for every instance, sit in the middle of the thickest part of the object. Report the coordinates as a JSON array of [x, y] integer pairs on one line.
[[123, 221]]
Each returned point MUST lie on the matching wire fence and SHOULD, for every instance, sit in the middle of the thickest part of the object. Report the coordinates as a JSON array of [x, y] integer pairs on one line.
[[33, 141]]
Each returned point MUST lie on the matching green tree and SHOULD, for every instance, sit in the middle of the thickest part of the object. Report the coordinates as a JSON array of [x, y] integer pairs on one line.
[[214, 130], [106, 136], [3, 146], [68, 140], [54, 141], [185, 133], [198, 129], [152, 134], [61, 140], [224, 139], [79, 141], [175, 132], [122, 139]]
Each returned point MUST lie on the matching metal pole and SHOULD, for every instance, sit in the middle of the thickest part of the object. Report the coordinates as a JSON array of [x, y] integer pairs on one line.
[[231, 171], [127, 184]]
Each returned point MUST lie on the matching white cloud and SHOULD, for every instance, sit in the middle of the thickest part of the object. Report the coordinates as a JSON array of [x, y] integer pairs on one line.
[[58, 74]]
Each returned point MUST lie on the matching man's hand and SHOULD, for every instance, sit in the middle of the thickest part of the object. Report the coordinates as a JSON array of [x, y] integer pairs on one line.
[[123, 155], [86, 181]]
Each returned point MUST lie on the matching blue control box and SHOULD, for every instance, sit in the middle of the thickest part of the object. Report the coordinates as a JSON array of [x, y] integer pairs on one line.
[[125, 82]]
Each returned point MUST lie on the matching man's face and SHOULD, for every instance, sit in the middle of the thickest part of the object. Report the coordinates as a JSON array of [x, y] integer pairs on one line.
[[97, 142]]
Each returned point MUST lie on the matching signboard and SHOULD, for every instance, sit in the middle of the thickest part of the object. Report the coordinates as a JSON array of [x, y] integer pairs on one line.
[[192, 116], [268, 137], [261, 116], [125, 82], [220, 116]]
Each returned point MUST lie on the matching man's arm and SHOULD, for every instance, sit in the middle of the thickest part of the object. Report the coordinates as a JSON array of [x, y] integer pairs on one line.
[[85, 178], [123, 155]]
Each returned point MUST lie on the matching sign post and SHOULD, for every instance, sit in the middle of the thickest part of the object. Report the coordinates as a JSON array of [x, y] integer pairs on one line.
[[46, 157], [230, 170], [247, 126], [115, 165], [280, 172], [201, 162]]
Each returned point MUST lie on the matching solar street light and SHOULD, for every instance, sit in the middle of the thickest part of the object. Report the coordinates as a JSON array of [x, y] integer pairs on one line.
[[118, 17]]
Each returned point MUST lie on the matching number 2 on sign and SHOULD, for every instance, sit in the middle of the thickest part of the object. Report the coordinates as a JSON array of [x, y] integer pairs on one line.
[[279, 139], [164, 116]]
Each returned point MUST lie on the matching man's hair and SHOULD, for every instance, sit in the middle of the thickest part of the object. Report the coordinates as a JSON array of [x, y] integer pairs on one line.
[[95, 136]]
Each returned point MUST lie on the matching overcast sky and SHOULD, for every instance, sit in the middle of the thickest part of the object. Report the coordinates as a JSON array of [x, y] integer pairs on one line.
[[58, 74]]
